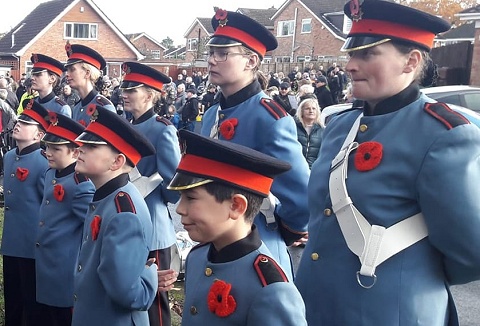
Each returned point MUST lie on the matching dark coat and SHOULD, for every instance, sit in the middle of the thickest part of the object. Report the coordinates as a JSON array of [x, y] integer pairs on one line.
[[324, 96], [310, 143]]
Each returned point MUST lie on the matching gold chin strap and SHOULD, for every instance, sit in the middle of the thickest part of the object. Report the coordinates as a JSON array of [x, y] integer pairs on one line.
[[366, 46]]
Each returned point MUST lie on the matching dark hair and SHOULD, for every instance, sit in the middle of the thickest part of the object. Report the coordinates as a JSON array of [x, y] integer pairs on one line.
[[223, 192], [427, 74]]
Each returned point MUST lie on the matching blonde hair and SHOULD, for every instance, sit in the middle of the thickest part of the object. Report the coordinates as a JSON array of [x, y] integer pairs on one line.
[[95, 73], [313, 102]]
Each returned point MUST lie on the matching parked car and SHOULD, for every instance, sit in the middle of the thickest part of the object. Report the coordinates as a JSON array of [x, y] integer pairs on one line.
[[180, 251], [462, 95]]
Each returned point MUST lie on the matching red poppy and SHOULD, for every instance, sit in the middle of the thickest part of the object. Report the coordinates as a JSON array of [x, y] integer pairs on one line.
[[52, 117], [22, 174], [227, 128], [91, 109], [220, 302], [221, 14], [68, 48], [368, 156], [29, 104], [95, 226], [82, 122], [58, 192]]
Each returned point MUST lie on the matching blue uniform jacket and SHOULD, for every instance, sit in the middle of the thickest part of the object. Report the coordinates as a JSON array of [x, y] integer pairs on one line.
[[429, 164], [163, 135], [112, 284], [275, 134], [59, 234], [80, 110], [270, 303], [22, 200], [53, 103]]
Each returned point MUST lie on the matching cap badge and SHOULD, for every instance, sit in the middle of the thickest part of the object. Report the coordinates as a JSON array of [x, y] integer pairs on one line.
[[355, 9], [35, 58], [52, 117], [68, 48], [125, 69], [221, 16], [30, 104]]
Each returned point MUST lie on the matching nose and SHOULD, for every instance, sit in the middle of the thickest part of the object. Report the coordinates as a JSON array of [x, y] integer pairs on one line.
[[180, 207]]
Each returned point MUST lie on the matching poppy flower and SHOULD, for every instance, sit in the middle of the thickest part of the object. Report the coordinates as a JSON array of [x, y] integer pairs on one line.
[[95, 227], [82, 122], [220, 301], [368, 156], [227, 128], [91, 109], [58, 192], [52, 117], [68, 48], [21, 174], [221, 14], [29, 104]]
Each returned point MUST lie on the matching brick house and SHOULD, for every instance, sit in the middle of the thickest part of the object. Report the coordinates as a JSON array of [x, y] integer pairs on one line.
[[47, 28], [473, 15]]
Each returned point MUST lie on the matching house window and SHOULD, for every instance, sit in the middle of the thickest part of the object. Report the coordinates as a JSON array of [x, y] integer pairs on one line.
[[81, 31], [285, 28], [282, 59], [192, 44], [155, 54], [303, 58], [306, 25]]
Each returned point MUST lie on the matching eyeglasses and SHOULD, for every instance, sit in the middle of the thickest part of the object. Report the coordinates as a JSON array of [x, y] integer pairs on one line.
[[222, 56]]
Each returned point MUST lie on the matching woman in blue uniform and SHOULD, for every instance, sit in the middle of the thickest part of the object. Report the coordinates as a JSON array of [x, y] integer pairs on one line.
[[140, 87], [247, 116], [394, 198], [83, 69], [46, 72]]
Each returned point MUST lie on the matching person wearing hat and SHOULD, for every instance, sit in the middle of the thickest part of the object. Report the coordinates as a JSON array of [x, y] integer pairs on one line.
[[30, 93], [115, 282], [394, 209], [231, 277], [24, 170], [286, 99], [245, 115], [140, 87], [189, 111], [323, 94], [46, 72], [82, 72], [66, 198]]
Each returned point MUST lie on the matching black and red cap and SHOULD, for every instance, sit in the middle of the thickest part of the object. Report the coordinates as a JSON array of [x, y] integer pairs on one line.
[[42, 63], [208, 160], [137, 74], [108, 128], [34, 113], [233, 29], [62, 129], [81, 53], [376, 21]]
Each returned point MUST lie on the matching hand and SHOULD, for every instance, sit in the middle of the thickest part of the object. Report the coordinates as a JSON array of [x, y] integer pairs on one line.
[[166, 279], [301, 242]]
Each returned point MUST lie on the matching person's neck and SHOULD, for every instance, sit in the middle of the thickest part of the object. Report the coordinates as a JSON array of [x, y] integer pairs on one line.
[[21, 145], [45, 92], [83, 92], [138, 112], [230, 89], [309, 123], [236, 233]]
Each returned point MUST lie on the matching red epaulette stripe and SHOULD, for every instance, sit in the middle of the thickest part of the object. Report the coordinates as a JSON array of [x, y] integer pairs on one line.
[[274, 108], [124, 203], [268, 270], [446, 115]]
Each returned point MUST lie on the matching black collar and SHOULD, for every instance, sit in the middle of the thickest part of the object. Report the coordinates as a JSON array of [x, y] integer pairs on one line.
[[144, 117], [110, 186], [89, 97], [28, 149], [241, 96], [68, 170], [46, 98], [237, 249], [396, 102]]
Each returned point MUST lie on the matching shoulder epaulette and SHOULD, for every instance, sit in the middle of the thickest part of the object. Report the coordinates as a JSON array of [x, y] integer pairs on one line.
[[124, 203], [273, 108], [102, 100], [79, 178], [445, 115], [268, 270], [60, 101], [164, 120]]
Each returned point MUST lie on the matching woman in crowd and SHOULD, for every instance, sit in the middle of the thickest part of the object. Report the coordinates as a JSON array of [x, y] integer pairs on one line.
[[309, 128]]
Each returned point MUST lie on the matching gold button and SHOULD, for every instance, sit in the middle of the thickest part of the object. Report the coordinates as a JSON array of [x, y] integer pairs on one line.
[[221, 115], [208, 271], [79, 268], [314, 256], [12, 175], [193, 310], [363, 128], [54, 182], [327, 212]]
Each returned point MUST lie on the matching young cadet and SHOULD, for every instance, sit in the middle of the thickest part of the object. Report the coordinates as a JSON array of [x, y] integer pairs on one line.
[[140, 87], [66, 197], [231, 278], [46, 72], [394, 200], [25, 168], [83, 70], [114, 284], [246, 115]]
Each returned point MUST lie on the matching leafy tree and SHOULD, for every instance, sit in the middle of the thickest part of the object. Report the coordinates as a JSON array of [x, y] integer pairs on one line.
[[167, 42], [444, 8]]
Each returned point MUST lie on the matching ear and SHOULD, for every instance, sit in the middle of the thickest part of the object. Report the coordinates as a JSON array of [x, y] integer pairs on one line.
[[39, 135], [253, 62], [119, 162], [238, 206], [413, 61], [76, 152]]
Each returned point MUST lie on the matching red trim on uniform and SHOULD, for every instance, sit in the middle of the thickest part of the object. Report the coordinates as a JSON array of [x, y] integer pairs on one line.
[[384, 28], [238, 176], [44, 65], [37, 117], [63, 133], [115, 140], [142, 79], [243, 37], [86, 58]]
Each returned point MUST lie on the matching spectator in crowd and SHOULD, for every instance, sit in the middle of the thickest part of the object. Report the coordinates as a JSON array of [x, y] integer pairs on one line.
[[180, 80], [394, 197], [8, 116], [11, 97], [209, 98], [68, 96], [322, 92], [293, 74], [274, 80], [190, 110], [181, 98], [189, 82], [305, 90], [173, 116], [272, 91], [309, 129], [286, 99], [30, 93], [197, 78], [21, 89]]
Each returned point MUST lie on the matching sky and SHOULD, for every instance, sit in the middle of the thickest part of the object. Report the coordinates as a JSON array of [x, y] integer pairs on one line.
[[157, 18]]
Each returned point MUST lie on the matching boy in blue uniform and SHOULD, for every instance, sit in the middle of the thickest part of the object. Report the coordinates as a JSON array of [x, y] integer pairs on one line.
[[46, 72], [82, 72], [66, 198], [231, 278], [25, 168], [113, 284], [140, 87], [246, 115], [394, 199]]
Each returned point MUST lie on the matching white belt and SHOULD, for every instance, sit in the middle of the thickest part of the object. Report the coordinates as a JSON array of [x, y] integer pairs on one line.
[[373, 244], [145, 185], [268, 208]]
